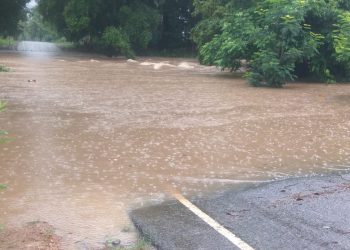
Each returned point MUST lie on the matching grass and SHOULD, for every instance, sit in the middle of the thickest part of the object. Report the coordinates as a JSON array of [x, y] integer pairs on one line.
[[2, 107], [64, 45], [7, 42], [4, 68]]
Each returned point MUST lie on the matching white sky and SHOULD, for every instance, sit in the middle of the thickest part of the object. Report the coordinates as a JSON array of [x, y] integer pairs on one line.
[[31, 4]]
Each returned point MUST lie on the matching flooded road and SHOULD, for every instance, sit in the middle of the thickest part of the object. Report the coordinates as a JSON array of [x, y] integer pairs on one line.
[[96, 137]]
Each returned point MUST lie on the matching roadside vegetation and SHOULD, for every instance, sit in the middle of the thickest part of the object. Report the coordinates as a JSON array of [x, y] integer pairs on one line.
[[34, 28], [122, 27], [4, 68], [276, 40], [7, 42], [11, 12], [2, 137]]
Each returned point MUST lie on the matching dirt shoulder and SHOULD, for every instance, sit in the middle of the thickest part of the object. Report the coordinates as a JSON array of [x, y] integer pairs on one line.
[[34, 235]]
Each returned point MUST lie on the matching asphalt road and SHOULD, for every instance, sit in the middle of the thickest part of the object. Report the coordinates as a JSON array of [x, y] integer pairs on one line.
[[301, 213]]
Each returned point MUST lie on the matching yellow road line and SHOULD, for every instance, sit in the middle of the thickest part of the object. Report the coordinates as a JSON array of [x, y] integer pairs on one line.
[[211, 222]]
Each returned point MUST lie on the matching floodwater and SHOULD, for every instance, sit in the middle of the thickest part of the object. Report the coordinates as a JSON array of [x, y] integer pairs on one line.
[[96, 137]]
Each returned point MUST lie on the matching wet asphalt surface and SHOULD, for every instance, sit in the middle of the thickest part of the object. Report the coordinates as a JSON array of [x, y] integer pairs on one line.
[[300, 213]]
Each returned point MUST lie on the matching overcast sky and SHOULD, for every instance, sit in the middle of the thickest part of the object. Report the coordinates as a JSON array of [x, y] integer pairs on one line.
[[31, 4]]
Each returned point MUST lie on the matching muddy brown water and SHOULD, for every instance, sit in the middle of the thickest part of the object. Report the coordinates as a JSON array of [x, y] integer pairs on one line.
[[96, 137]]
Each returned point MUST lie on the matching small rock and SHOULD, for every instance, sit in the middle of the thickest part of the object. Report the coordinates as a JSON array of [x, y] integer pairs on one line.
[[115, 243]]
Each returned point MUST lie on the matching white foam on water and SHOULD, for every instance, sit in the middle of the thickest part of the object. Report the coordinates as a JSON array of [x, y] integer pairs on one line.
[[158, 66], [131, 61], [186, 65]]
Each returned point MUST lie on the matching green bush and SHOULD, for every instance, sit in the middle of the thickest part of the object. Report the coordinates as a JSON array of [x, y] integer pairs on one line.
[[115, 41], [7, 42], [4, 68], [280, 40], [139, 21]]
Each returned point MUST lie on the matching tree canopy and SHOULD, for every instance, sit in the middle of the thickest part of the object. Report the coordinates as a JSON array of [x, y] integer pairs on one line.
[[11, 11], [277, 40], [119, 26], [34, 28]]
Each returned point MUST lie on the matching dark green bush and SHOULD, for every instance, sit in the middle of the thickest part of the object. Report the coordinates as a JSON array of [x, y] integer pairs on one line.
[[115, 41], [3, 69], [279, 40]]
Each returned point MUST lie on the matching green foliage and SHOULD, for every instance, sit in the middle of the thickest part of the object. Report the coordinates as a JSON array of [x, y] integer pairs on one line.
[[36, 29], [2, 132], [212, 13], [278, 39], [139, 21], [2, 187], [115, 41], [341, 36], [159, 24], [2, 140], [11, 11], [3, 69], [77, 19], [2, 106], [7, 42], [176, 25]]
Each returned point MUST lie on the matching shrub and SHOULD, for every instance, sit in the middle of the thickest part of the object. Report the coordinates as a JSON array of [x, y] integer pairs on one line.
[[140, 22], [115, 41], [281, 40], [4, 68]]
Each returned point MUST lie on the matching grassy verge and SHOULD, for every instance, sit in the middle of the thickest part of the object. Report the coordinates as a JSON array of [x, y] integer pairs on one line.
[[4, 68], [65, 45], [2, 140], [7, 42]]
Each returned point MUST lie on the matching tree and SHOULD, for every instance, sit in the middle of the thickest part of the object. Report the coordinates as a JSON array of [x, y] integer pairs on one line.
[[176, 25], [94, 22], [115, 40], [278, 39], [160, 24], [36, 29], [11, 12]]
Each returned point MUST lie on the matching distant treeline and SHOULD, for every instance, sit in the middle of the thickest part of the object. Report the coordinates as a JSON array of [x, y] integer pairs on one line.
[[275, 41], [120, 26]]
